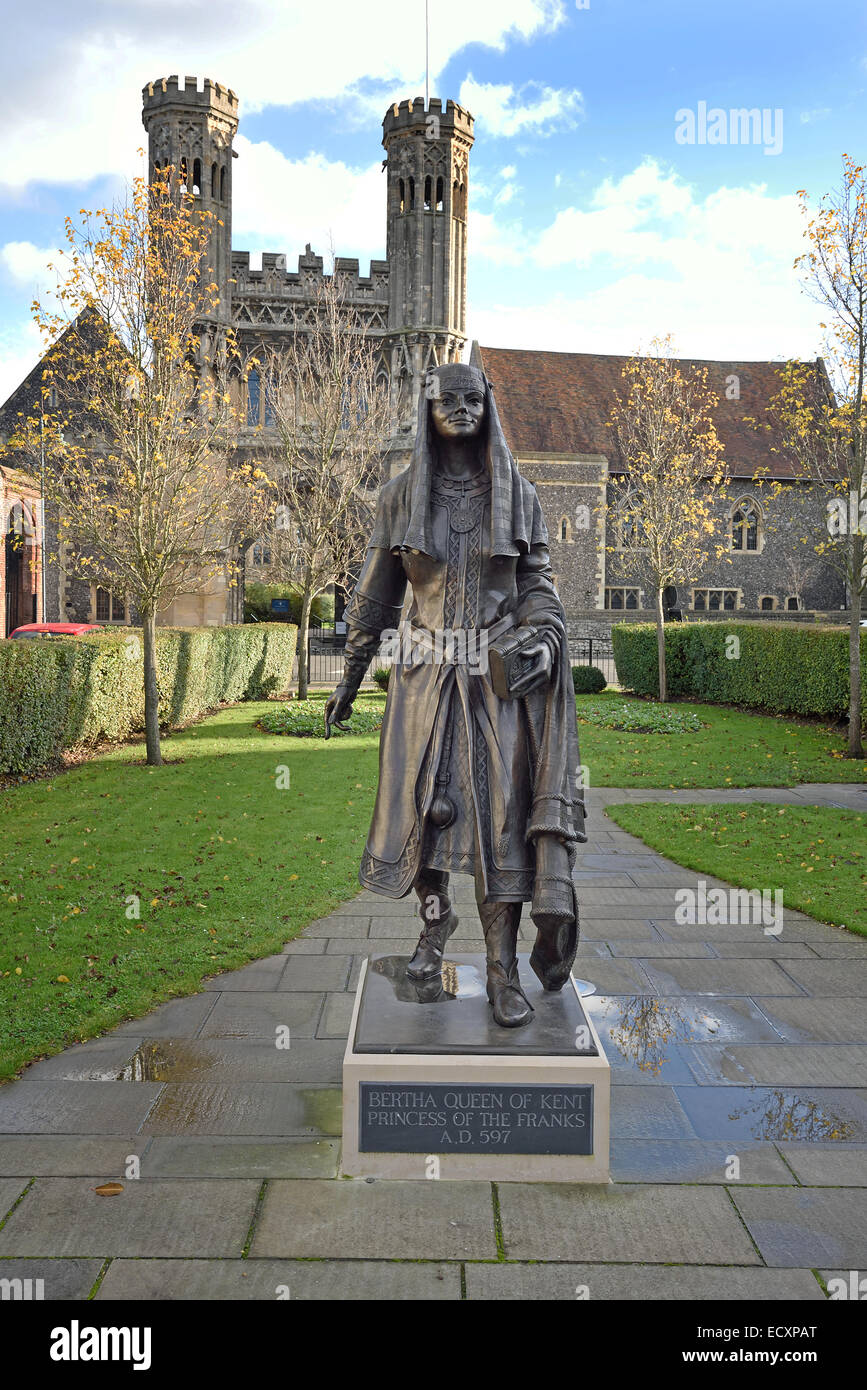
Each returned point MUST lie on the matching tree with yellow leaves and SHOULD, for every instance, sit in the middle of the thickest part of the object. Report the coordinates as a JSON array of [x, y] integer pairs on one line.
[[135, 417], [663, 506], [823, 413]]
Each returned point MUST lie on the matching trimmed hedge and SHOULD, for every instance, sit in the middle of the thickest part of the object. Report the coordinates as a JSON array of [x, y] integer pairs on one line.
[[74, 692], [587, 680], [783, 668]]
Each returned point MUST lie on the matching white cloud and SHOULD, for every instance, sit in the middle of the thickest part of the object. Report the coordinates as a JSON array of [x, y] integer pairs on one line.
[[534, 109], [716, 272], [280, 204], [26, 264], [20, 350], [74, 114]]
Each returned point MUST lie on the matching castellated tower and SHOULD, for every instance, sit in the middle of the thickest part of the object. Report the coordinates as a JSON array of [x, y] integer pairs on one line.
[[192, 131], [428, 166]]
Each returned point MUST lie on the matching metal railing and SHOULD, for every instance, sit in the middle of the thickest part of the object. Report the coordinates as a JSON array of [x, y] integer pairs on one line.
[[325, 657]]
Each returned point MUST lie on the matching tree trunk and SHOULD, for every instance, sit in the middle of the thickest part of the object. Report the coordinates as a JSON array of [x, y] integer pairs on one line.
[[151, 692], [660, 647], [856, 747], [303, 630]]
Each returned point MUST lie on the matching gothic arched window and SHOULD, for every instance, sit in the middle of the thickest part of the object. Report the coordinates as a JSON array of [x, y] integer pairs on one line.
[[253, 395], [411, 194], [427, 193], [439, 201], [183, 173], [223, 184], [402, 195], [746, 525], [213, 180], [197, 177]]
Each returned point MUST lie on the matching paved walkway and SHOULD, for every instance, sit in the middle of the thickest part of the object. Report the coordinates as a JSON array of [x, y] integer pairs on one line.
[[739, 1115]]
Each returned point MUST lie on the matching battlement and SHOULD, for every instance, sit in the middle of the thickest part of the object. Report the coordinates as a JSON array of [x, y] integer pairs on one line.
[[275, 270], [411, 115], [168, 92]]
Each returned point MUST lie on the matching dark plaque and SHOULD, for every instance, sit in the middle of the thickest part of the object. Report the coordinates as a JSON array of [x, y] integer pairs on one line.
[[434, 1118]]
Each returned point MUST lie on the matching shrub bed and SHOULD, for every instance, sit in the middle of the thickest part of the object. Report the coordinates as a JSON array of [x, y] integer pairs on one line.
[[60, 694], [782, 668]]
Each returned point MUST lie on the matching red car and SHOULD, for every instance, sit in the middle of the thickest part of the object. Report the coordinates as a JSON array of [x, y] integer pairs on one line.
[[54, 629]]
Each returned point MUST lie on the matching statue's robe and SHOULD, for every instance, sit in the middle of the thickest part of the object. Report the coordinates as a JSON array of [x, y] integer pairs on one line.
[[476, 556]]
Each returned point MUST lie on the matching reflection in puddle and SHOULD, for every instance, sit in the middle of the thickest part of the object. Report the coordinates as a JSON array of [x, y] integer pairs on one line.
[[455, 981], [648, 1029], [782, 1115]]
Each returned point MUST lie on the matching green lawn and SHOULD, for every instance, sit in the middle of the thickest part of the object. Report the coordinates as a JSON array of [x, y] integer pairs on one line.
[[732, 750], [816, 855], [226, 867]]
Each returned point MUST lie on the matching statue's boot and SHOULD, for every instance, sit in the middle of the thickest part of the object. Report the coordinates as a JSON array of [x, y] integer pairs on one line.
[[439, 920], [500, 922], [554, 912]]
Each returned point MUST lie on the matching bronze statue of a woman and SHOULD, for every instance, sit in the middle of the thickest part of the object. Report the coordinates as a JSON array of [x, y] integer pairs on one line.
[[472, 779]]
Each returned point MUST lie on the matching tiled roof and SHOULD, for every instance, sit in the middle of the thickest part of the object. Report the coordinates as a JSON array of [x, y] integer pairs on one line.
[[559, 402]]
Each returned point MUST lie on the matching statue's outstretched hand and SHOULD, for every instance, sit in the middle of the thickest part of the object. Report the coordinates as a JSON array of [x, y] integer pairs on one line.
[[337, 710], [538, 673]]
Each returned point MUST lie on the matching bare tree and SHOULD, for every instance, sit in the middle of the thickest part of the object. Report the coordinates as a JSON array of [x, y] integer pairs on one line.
[[663, 510], [136, 414], [328, 404]]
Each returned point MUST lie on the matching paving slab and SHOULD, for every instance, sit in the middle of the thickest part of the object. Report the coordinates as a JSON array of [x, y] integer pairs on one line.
[[75, 1107], [843, 950], [653, 949], [186, 1156], [762, 1112], [827, 1165], [179, 1018], [639, 1283], [249, 1014], [328, 927], [806, 1226], [305, 946], [170, 1217], [260, 974], [60, 1279], [774, 948], [778, 1064], [596, 928], [299, 1280], [615, 976], [254, 1108], [654, 1223], [376, 1220], [66, 1155], [101, 1060], [847, 977], [833, 1020], [752, 977], [648, 1112], [315, 974], [336, 1016], [694, 1160]]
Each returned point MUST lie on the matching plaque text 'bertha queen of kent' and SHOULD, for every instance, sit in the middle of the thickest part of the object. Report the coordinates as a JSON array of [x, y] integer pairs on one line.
[[435, 1118]]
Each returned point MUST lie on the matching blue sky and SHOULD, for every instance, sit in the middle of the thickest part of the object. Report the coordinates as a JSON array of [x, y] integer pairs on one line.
[[591, 227]]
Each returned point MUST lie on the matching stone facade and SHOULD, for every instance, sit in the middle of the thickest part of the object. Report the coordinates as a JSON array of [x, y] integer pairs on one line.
[[555, 408]]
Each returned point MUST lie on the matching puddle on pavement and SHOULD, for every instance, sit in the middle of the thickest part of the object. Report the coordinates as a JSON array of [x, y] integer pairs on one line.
[[647, 1033], [763, 1112], [172, 1059]]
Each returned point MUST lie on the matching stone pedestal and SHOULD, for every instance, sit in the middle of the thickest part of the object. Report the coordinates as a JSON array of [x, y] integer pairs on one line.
[[433, 1088]]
